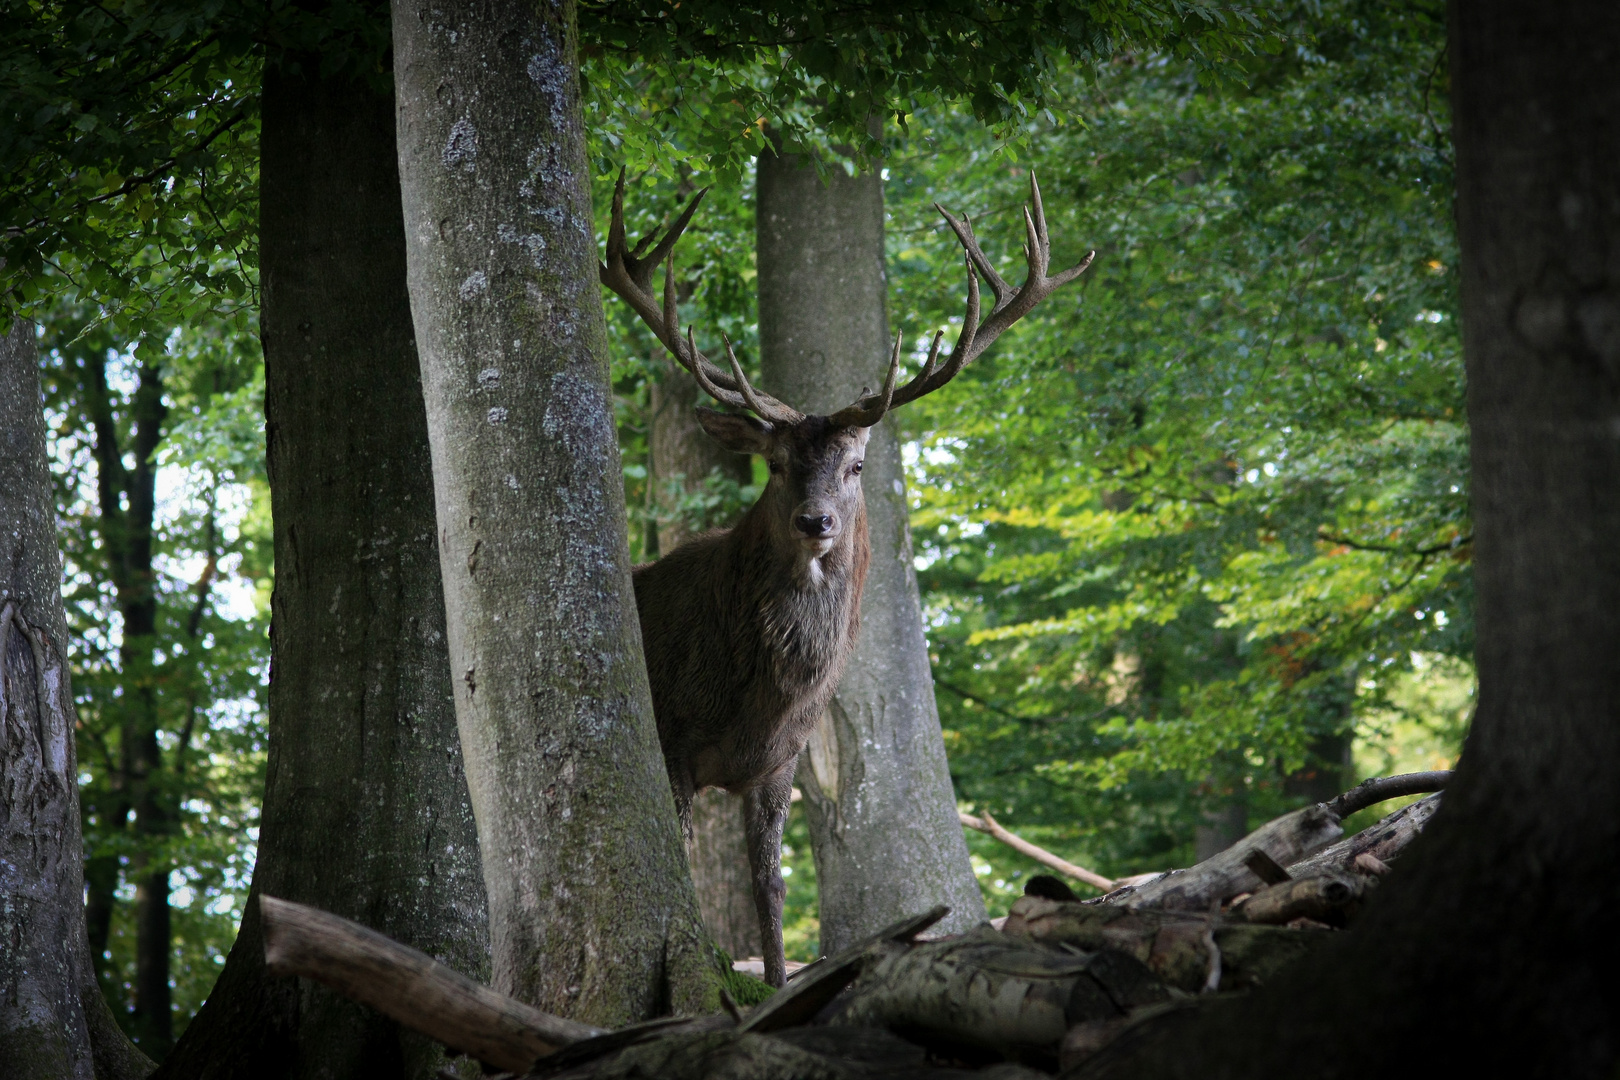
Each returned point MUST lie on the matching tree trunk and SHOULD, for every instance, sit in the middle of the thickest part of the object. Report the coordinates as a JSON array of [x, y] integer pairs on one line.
[[592, 913], [152, 1020], [1223, 817], [1221, 826], [876, 784], [53, 1021], [680, 450], [127, 497], [1444, 956], [366, 811]]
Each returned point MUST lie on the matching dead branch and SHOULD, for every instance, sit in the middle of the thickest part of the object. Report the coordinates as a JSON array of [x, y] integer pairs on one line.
[[1377, 790], [988, 824], [411, 987]]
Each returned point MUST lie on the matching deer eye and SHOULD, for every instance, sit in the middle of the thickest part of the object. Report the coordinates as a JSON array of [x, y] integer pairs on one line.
[[856, 468], [775, 466]]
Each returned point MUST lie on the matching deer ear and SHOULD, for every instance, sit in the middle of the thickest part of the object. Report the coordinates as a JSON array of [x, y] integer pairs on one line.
[[735, 431]]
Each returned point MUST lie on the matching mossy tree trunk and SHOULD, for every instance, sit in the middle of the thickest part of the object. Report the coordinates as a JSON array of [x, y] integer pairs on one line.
[[877, 787], [366, 810], [54, 1023], [592, 911]]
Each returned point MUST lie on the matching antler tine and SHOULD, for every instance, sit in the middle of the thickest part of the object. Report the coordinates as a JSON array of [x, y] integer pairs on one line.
[[749, 394], [1040, 212], [672, 317], [1010, 305], [629, 274], [963, 228], [933, 356], [689, 359], [930, 379], [666, 247], [869, 408], [731, 389], [1034, 250]]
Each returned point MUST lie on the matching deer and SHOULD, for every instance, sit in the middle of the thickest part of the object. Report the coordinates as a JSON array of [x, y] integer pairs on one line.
[[747, 630]]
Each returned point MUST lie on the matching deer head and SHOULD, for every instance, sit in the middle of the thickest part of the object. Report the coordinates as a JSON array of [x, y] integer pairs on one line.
[[815, 461]]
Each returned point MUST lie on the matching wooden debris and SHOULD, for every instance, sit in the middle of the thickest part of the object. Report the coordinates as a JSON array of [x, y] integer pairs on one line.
[[1368, 863], [1383, 841], [982, 993], [1062, 978], [1172, 945], [411, 987], [1327, 897], [1265, 868], [1286, 840], [820, 983]]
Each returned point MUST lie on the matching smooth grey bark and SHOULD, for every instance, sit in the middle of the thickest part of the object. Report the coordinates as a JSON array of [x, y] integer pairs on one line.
[[877, 787], [1492, 932], [54, 1023], [682, 451], [366, 812], [592, 911]]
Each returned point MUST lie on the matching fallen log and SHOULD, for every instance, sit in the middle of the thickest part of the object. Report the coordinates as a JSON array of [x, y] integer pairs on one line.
[[1384, 841], [411, 987], [1217, 879], [1327, 897]]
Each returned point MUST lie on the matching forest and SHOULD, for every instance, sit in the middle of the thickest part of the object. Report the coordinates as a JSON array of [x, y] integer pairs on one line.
[[344, 421]]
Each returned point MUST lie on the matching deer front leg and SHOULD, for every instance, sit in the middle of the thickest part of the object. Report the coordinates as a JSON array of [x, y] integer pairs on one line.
[[684, 790], [765, 810]]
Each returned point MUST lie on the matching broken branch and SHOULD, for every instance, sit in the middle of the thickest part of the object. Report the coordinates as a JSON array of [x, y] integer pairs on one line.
[[1370, 792], [411, 987], [989, 825]]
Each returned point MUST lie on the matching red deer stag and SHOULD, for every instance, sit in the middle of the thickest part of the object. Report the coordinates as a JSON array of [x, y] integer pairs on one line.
[[746, 630]]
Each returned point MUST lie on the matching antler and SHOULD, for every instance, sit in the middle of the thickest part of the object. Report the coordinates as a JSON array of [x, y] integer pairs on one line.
[[1011, 305], [629, 274]]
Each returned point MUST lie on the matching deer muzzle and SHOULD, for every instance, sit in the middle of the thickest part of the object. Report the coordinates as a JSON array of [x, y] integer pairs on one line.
[[815, 528]]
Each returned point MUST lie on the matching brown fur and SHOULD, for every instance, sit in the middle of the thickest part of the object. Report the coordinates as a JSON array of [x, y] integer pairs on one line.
[[747, 631]]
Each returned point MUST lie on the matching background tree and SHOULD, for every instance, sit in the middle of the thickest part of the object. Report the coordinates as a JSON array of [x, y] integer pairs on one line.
[[168, 681], [1537, 219], [53, 1020], [1175, 521], [882, 814], [365, 807]]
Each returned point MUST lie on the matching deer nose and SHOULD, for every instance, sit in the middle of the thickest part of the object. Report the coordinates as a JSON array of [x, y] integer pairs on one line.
[[813, 524]]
